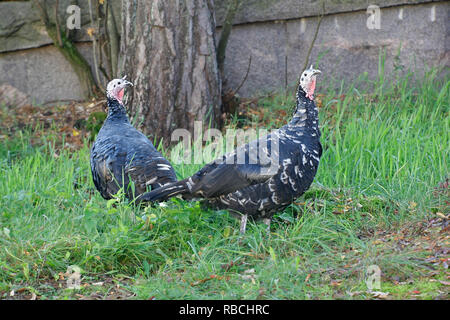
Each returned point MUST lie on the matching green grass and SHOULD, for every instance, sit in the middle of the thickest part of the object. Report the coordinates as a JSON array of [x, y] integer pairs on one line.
[[384, 154]]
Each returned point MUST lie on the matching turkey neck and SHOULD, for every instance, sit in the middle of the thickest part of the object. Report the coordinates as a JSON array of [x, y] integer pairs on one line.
[[306, 115], [116, 110]]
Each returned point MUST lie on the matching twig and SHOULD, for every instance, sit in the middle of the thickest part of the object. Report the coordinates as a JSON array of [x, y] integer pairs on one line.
[[285, 72], [314, 39], [94, 47], [245, 78], [107, 52], [58, 30], [114, 39], [226, 30], [42, 9], [104, 72]]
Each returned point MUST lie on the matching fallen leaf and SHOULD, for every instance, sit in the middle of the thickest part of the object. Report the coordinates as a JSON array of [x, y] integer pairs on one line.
[[379, 294], [336, 283], [307, 277], [98, 283], [441, 215]]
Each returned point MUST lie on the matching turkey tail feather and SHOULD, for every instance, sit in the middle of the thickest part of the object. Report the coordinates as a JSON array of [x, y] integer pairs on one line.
[[165, 192]]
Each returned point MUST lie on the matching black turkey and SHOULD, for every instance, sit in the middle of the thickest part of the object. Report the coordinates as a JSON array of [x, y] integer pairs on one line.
[[256, 187], [121, 153]]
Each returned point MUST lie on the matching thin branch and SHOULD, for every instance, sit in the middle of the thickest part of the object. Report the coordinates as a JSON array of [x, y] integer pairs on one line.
[[107, 52], [101, 37], [314, 39], [94, 48], [245, 78], [104, 72], [43, 11], [285, 72], [58, 28], [113, 36], [226, 30]]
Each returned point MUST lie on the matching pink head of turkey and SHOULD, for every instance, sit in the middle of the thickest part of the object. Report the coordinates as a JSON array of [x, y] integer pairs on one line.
[[116, 89], [308, 81]]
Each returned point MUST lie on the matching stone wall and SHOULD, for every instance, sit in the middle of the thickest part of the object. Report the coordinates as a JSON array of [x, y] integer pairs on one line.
[[275, 33], [42, 73], [411, 37]]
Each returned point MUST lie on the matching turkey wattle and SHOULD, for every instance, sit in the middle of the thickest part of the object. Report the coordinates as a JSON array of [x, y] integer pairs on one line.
[[253, 188], [121, 153]]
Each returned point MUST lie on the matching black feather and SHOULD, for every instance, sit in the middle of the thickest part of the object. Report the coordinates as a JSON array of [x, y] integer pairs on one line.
[[249, 188], [121, 153]]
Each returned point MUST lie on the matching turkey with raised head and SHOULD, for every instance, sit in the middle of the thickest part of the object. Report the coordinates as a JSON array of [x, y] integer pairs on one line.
[[121, 153], [264, 176]]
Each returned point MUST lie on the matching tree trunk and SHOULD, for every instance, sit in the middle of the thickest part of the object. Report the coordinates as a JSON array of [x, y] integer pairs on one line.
[[168, 51]]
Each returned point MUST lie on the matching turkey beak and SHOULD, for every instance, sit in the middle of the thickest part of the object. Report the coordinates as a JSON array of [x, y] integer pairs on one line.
[[312, 71], [127, 83]]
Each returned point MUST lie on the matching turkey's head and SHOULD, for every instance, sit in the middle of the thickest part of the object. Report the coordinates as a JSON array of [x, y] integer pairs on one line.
[[116, 89], [308, 81]]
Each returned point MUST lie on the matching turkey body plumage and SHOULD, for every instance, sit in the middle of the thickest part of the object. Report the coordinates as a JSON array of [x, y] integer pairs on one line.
[[274, 170], [121, 154]]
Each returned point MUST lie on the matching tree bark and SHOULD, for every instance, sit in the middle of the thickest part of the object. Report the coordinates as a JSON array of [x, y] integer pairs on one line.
[[168, 51]]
